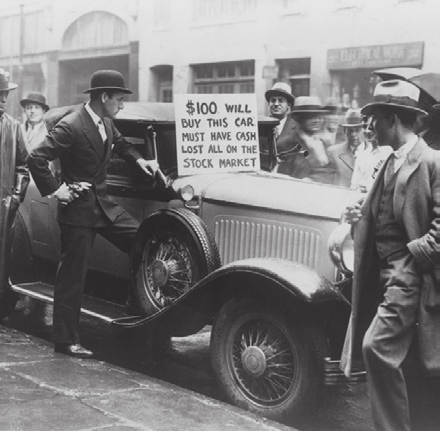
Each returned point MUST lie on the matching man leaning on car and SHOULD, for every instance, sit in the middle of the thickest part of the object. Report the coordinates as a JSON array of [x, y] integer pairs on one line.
[[84, 141]]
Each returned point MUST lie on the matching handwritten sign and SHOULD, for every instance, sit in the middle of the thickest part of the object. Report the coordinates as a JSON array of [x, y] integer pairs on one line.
[[216, 133]]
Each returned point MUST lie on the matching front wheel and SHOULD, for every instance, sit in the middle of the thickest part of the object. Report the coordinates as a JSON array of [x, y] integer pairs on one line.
[[266, 362], [173, 251]]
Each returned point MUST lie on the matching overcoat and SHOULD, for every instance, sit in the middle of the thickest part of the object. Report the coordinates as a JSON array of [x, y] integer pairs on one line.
[[342, 162], [416, 204], [76, 141], [14, 179]]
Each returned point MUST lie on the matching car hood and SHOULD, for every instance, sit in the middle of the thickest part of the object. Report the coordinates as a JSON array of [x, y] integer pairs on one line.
[[272, 191]]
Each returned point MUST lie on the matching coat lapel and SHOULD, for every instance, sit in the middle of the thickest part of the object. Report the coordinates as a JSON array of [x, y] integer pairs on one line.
[[91, 132], [347, 157], [411, 163]]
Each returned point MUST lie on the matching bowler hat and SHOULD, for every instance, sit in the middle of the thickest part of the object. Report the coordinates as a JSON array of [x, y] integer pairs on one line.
[[395, 93], [280, 89], [5, 85], [353, 118], [37, 98], [108, 80], [308, 105]]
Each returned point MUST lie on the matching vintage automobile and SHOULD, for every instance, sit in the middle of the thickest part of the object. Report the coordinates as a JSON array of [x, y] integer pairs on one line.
[[260, 256]]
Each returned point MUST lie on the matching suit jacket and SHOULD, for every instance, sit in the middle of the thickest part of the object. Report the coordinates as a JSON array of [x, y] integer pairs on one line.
[[76, 141], [416, 204], [288, 138], [342, 162]]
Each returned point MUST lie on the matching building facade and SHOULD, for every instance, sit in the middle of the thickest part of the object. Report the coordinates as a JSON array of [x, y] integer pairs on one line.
[[327, 48]]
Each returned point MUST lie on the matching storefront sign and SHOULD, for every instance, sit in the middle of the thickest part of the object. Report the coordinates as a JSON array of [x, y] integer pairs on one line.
[[376, 56], [216, 133]]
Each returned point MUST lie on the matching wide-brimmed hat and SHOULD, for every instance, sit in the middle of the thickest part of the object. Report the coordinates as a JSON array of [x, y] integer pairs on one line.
[[108, 80], [353, 118], [281, 89], [5, 85], [308, 105], [395, 93], [37, 98]]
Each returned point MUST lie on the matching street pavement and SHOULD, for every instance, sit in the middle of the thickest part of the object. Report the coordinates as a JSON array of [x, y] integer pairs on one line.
[[43, 390]]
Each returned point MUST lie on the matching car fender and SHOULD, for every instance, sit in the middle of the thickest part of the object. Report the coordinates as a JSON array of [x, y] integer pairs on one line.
[[279, 281]]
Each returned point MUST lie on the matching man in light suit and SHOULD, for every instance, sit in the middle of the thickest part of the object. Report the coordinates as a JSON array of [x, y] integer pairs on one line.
[[84, 141], [342, 156], [397, 254]]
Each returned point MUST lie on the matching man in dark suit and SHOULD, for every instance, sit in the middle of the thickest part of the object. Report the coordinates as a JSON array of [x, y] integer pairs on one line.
[[397, 256], [280, 100], [84, 141], [342, 156]]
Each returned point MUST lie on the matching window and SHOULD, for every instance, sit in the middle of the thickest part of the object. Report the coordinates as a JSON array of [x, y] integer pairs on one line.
[[229, 77], [296, 71], [162, 80]]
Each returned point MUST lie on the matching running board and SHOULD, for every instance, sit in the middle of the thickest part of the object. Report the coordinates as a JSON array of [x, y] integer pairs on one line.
[[105, 311], [333, 374]]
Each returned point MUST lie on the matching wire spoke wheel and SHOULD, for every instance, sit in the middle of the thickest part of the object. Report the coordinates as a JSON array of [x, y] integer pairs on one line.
[[173, 250], [266, 362], [167, 268], [263, 361]]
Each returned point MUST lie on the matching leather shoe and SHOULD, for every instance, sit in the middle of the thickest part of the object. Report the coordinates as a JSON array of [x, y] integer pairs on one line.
[[74, 350]]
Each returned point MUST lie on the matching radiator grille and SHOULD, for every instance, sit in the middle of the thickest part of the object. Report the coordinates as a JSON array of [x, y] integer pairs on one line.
[[240, 239]]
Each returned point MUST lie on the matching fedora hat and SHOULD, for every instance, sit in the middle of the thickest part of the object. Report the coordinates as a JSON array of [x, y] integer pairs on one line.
[[395, 93], [308, 105], [353, 118], [5, 85], [107, 80], [281, 89], [37, 98]]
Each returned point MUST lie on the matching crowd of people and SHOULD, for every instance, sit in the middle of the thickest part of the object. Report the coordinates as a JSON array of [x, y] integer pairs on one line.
[[330, 144], [386, 148]]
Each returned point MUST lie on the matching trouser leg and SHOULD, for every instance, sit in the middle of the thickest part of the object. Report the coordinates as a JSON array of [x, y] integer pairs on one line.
[[386, 344], [121, 234], [76, 245]]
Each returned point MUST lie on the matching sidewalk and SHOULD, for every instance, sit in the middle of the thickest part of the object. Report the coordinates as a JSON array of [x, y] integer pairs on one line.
[[43, 390]]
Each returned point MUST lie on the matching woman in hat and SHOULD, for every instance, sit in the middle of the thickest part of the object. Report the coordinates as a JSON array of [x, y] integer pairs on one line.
[[34, 130]]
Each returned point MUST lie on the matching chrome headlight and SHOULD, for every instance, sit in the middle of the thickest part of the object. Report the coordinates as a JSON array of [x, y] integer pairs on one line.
[[186, 193], [341, 248]]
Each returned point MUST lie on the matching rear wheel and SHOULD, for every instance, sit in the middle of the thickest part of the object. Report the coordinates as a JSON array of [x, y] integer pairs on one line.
[[265, 362], [173, 251]]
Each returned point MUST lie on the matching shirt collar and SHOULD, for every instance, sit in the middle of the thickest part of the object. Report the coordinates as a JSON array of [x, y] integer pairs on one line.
[[281, 125], [95, 117], [403, 151]]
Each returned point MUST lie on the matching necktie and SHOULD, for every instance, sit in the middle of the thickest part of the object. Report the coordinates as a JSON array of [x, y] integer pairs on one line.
[[389, 170], [101, 130]]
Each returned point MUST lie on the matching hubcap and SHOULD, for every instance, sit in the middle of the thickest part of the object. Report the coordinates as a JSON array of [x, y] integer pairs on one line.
[[159, 273], [254, 361]]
